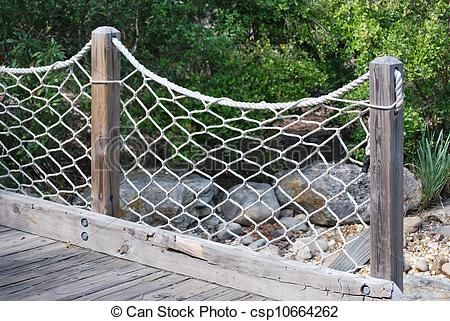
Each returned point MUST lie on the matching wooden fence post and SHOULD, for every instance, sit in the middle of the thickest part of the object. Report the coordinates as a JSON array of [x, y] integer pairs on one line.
[[105, 122], [386, 173]]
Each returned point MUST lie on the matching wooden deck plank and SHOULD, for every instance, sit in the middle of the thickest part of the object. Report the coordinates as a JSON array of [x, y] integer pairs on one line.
[[12, 234], [358, 250], [111, 292], [61, 261], [41, 285], [62, 271], [19, 244], [253, 297], [213, 291], [106, 282], [162, 283], [4, 229], [227, 295], [36, 268], [19, 265], [177, 292], [56, 272], [200, 292], [202, 259], [93, 281], [146, 286], [36, 257]]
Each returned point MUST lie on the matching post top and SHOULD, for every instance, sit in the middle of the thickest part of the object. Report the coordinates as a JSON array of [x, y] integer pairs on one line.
[[104, 30], [386, 60]]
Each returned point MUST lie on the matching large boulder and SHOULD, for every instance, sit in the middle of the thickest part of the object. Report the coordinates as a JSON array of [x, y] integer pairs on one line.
[[163, 197], [412, 191], [292, 186], [244, 201]]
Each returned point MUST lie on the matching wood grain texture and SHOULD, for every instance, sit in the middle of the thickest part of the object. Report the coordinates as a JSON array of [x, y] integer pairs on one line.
[[358, 249], [105, 122], [234, 267], [58, 271], [386, 174]]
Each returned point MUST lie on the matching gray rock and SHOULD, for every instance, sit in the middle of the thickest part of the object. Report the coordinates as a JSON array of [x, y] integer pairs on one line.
[[440, 213], [225, 230], [247, 240], [161, 194], [446, 269], [301, 251], [247, 199], [211, 223], [407, 267], [412, 191], [294, 222], [292, 185], [288, 212], [439, 262], [281, 231], [426, 288], [443, 230], [411, 224], [421, 265], [314, 245], [257, 244], [271, 250], [277, 232]]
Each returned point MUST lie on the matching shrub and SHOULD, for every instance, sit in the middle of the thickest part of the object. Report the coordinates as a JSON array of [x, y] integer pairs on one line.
[[433, 165]]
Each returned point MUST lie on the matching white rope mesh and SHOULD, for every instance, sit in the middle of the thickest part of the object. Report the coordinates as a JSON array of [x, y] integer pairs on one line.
[[45, 130], [280, 178], [55, 66]]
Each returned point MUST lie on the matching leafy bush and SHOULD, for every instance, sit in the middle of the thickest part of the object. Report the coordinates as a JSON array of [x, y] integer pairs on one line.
[[433, 165], [254, 49]]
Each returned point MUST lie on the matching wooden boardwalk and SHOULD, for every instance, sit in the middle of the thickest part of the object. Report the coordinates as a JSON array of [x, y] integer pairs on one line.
[[38, 268]]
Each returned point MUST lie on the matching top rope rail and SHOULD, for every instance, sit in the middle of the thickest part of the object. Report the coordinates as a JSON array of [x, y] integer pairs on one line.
[[55, 66], [305, 102]]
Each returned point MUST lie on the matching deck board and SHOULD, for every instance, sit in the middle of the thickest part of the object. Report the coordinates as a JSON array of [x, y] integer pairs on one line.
[[18, 242], [4, 229], [177, 292], [38, 268], [35, 258]]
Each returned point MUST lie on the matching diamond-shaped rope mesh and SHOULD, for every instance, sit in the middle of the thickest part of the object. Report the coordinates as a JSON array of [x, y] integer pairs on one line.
[[284, 179], [45, 131]]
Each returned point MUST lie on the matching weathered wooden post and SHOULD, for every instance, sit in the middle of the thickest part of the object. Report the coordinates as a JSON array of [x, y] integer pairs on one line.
[[105, 121], [386, 173]]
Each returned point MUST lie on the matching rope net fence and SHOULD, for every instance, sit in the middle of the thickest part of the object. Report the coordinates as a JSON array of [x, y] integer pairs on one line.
[[284, 179], [45, 130]]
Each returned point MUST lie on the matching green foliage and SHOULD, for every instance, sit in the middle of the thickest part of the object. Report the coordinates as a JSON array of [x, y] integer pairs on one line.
[[252, 49], [433, 165]]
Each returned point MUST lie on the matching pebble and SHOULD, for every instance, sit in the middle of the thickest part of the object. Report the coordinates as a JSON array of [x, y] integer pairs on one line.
[[257, 244], [446, 269], [287, 212], [443, 230], [281, 231], [231, 227], [302, 251], [411, 224], [421, 265], [407, 267], [315, 245], [290, 222], [271, 250], [247, 240], [438, 262]]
